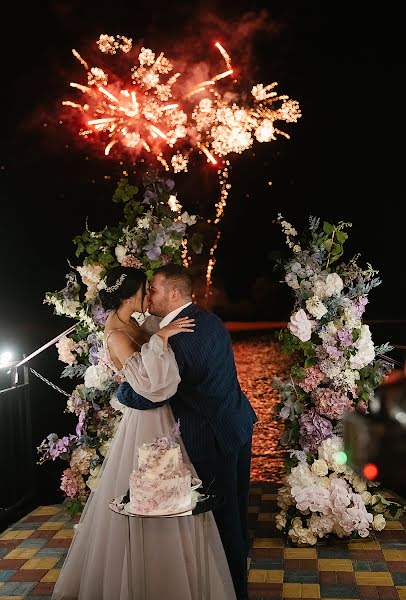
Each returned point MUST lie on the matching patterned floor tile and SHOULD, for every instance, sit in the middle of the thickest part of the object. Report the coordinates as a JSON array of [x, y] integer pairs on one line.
[[338, 591], [17, 588], [364, 578], [7, 574], [41, 563], [32, 553]]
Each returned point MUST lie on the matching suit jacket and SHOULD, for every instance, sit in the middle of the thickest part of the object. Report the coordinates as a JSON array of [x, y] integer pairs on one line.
[[214, 413]]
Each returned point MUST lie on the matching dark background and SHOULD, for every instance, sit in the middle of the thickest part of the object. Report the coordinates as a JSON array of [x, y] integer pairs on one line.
[[343, 162]]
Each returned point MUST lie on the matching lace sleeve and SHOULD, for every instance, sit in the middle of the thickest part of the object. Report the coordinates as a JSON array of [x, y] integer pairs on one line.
[[153, 372]]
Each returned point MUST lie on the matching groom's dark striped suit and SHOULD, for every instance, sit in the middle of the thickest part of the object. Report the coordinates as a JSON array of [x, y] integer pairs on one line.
[[216, 422]]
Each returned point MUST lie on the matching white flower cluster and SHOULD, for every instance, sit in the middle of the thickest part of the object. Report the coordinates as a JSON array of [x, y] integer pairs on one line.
[[91, 277], [300, 325], [290, 233], [63, 306], [330, 498], [68, 349], [365, 351], [98, 376]]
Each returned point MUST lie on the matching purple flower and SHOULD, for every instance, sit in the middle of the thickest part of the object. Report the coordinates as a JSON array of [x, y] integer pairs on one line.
[[99, 315], [345, 337], [170, 184], [94, 347], [61, 446], [80, 425], [331, 403], [359, 306], [333, 352], [153, 252], [313, 430]]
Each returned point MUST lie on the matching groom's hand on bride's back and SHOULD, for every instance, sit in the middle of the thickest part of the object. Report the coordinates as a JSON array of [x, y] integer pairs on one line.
[[128, 397]]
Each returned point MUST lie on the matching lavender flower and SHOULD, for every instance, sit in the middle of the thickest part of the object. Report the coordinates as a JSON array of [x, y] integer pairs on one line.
[[94, 347], [331, 404], [153, 252], [313, 430], [359, 306], [81, 422], [333, 352], [99, 315], [61, 446], [345, 337]]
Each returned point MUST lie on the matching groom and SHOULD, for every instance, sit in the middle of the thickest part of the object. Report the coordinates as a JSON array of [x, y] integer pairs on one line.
[[215, 416]]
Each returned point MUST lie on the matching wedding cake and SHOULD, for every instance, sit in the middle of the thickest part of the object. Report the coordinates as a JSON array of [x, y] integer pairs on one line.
[[162, 484]]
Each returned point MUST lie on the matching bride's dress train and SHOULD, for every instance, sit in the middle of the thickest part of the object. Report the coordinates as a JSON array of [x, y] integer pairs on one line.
[[96, 565]]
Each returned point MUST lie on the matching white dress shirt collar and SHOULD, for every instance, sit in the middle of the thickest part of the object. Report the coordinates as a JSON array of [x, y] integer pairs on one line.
[[170, 316]]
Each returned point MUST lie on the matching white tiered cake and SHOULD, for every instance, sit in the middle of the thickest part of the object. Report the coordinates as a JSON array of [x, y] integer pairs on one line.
[[162, 484]]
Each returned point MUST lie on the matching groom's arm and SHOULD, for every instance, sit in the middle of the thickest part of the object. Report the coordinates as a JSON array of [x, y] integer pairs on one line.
[[128, 397]]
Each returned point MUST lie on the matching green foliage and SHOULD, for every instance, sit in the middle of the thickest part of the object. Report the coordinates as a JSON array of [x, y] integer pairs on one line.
[[332, 239], [290, 462], [73, 506]]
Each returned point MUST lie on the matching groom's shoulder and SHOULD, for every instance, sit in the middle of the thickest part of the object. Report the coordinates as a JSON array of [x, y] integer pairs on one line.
[[209, 318]]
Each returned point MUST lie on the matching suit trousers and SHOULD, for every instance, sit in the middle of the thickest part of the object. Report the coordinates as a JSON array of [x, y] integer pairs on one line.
[[228, 475]]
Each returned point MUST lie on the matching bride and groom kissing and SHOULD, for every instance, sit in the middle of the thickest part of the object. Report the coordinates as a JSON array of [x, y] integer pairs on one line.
[[192, 380]]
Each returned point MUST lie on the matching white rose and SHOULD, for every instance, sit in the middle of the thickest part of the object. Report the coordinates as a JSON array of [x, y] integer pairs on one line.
[[284, 497], [91, 483], [324, 482], [96, 377], [319, 467], [365, 349], [315, 307], [104, 448], [120, 252], [319, 288], [366, 497], [301, 326], [334, 284], [359, 484], [280, 520], [95, 471], [93, 480], [379, 522]]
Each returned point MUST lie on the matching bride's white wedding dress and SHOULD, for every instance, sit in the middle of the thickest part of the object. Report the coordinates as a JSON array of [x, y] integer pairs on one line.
[[96, 565]]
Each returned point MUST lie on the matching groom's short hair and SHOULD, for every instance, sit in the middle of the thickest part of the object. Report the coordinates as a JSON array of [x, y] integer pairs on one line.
[[178, 277]]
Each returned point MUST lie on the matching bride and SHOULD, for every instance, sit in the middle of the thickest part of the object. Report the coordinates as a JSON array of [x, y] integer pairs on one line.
[[96, 565]]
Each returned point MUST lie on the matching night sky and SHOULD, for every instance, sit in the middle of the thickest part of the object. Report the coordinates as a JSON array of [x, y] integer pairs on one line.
[[343, 161]]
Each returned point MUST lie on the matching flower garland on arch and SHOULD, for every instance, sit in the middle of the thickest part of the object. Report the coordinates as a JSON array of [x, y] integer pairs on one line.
[[153, 231], [336, 369]]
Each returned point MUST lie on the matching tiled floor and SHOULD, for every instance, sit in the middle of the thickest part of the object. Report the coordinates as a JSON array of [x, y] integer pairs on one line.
[[32, 552]]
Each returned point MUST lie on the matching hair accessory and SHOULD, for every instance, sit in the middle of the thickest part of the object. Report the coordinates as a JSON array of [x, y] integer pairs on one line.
[[115, 287]]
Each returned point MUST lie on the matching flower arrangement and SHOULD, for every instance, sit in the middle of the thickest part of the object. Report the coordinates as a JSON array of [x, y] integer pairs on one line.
[[153, 232], [335, 369]]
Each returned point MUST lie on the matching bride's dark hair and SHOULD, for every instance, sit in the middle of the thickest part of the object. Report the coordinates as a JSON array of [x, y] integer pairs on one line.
[[121, 283]]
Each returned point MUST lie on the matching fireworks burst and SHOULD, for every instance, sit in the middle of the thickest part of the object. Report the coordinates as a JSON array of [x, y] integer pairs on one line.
[[150, 114], [141, 115]]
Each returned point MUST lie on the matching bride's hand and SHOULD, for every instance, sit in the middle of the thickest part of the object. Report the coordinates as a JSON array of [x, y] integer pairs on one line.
[[177, 326]]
